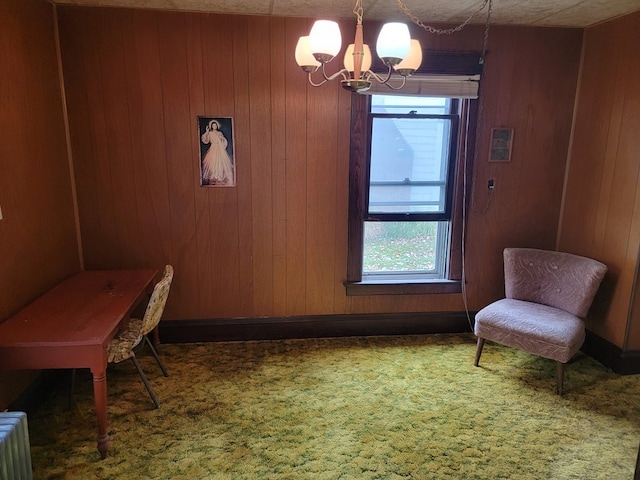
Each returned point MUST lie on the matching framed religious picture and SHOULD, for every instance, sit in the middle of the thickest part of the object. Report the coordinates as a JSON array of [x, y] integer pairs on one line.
[[500, 144], [217, 160]]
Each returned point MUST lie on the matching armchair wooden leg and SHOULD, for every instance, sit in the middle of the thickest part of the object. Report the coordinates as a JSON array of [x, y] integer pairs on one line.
[[479, 351], [560, 378]]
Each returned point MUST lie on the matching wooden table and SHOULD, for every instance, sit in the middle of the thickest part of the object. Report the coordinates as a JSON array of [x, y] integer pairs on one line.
[[71, 325]]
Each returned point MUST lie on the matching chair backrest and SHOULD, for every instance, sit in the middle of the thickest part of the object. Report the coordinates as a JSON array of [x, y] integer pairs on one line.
[[157, 301], [558, 279]]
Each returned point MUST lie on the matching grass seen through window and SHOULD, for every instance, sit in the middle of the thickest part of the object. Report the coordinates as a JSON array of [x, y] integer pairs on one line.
[[399, 246]]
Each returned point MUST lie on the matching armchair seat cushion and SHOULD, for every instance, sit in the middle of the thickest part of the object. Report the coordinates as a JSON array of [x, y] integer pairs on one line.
[[555, 334]]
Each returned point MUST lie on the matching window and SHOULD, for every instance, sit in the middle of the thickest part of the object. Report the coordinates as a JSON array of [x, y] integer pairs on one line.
[[412, 156], [405, 214]]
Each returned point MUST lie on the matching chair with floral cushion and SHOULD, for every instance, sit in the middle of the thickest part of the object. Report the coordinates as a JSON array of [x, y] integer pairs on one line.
[[548, 294], [126, 340]]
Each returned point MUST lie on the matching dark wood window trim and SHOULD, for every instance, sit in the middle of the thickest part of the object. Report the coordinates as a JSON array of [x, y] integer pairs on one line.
[[452, 63], [422, 287]]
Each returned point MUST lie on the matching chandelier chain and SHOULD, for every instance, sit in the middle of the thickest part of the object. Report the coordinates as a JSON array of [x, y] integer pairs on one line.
[[486, 32], [358, 11], [445, 31]]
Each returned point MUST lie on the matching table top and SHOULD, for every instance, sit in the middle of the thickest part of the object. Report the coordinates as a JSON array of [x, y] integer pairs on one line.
[[85, 309]]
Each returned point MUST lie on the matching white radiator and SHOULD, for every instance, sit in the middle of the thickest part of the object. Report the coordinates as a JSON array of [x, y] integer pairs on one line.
[[15, 453]]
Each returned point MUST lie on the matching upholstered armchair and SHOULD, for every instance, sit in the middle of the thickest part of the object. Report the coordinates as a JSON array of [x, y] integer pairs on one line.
[[548, 294]]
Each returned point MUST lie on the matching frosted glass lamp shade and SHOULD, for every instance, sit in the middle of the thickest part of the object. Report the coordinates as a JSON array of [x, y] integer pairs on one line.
[[304, 57], [366, 58], [412, 61], [393, 43], [325, 40]]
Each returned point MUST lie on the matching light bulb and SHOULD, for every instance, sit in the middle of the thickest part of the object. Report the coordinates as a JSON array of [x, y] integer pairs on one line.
[[393, 43], [304, 57], [325, 40], [412, 61]]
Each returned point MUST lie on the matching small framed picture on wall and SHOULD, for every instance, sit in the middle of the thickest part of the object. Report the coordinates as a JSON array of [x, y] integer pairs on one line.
[[217, 160], [500, 144]]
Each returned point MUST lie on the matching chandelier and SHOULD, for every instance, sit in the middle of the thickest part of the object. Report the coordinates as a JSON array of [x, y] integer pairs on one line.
[[398, 51]]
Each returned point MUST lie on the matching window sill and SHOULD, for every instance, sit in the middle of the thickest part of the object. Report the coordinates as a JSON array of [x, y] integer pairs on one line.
[[403, 287]]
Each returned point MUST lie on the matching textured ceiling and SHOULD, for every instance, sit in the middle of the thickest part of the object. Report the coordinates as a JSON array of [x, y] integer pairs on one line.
[[564, 13]]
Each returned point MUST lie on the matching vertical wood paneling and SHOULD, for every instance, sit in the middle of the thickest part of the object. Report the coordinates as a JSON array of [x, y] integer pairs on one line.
[[279, 52], [224, 211], [97, 177], [202, 251], [244, 302], [619, 200], [38, 245], [630, 149], [181, 163], [321, 183], [260, 120], [275, 244], [407, 303], [77, 84], [296, 173], [147, 136], [118, 160], [546, 138], [535, 97], [603, 184], [37, 230], [519, 114]]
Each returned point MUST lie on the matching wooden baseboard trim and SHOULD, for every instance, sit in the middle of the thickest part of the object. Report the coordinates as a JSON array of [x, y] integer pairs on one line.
[[278, 328], [611, 356]]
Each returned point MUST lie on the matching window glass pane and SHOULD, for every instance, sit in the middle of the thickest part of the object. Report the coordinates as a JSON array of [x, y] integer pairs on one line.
[[405, 247], [403, 104], [409, 165]]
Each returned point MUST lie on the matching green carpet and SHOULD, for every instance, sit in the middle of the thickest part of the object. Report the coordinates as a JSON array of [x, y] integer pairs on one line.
[[347, 408]]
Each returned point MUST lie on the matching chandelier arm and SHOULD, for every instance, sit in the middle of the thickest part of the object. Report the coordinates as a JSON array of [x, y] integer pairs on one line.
[[439, 31], [378, 78], [344, 73], [385, 81], [399, 87], [313, 84]]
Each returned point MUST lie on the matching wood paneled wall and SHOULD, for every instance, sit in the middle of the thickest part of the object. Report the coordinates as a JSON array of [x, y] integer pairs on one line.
[[276, 244], [601, 215], [529, 85], [38, 245]]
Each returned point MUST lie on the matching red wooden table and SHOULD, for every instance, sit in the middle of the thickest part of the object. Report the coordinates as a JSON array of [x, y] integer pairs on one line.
[[71, 325]]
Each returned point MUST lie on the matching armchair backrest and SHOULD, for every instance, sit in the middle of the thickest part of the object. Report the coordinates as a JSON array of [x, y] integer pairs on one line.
[[561, 280], [158, 300]]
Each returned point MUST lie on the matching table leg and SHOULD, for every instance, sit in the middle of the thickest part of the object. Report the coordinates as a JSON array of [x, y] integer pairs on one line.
[[100, 398]]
